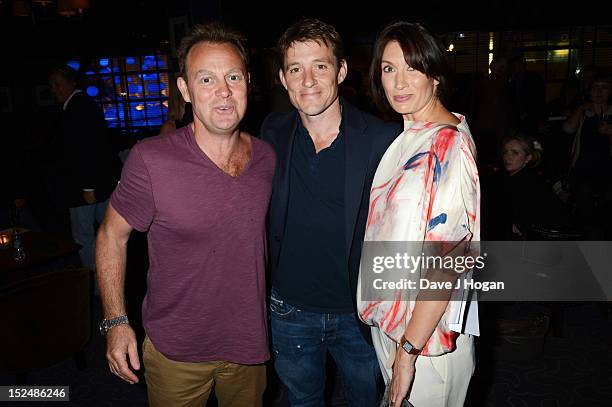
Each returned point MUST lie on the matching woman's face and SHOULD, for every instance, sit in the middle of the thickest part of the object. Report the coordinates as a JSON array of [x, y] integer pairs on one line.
[[408, 91], [515, 156]]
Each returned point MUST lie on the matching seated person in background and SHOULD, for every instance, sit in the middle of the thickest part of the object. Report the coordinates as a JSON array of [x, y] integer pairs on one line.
[[519, 197]]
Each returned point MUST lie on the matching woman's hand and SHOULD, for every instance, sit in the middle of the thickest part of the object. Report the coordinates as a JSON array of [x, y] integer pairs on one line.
[[587, 107], [573, 121], [403, 376]]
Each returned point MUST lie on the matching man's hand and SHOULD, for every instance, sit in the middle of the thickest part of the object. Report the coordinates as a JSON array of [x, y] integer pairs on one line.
[[121, 341], [89, 197], [403, 376]]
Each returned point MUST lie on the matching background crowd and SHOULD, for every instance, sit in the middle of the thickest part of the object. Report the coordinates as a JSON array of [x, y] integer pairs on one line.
[[561, 185], [544, 160]]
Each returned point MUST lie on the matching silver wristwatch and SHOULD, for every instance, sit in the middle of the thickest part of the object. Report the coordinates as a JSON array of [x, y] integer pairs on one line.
[[107, 324]]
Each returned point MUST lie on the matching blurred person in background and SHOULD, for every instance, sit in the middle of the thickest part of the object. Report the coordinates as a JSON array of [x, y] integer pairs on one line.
[[591, 159], [518, 199], [86, 169], [179, 112]]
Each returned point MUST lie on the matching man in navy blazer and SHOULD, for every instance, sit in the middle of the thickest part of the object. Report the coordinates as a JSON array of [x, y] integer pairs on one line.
[[327, 153]]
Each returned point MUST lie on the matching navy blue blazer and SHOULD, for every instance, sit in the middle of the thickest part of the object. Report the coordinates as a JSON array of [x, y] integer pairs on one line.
[[367, 139]]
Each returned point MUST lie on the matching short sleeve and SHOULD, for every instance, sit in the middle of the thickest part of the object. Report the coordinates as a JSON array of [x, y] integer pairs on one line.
[[133, 197]]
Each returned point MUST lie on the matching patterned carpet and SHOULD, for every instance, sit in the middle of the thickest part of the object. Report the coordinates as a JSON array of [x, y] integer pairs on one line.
[[573, 370]]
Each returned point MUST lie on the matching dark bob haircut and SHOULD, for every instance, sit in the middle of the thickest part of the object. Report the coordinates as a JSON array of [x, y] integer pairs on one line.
[[310, 29], [421, 51]]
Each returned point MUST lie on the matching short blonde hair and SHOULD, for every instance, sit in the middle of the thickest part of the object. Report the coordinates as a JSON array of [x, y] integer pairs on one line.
[[530, 145]]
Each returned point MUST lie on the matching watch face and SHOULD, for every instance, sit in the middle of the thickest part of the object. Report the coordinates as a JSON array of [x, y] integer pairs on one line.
[[409, 348]]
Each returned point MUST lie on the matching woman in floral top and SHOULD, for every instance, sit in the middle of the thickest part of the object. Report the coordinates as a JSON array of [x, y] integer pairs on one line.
[[426, 189]]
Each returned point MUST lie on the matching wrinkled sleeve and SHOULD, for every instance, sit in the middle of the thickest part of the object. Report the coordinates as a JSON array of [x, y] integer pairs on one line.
[[133, 197], [454, 193]]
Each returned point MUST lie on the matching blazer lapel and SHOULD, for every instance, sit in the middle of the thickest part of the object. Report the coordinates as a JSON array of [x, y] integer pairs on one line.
[[357, 150], [286, 139]]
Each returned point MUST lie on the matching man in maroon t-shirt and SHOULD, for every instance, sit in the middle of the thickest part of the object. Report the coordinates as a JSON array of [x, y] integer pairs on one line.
[[201, 193]]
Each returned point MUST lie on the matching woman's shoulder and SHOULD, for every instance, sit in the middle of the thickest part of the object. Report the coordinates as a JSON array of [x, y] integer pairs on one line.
[[454, 124], [456, 138]]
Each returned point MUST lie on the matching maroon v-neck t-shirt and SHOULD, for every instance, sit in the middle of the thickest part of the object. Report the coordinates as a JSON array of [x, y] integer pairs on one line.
[[207, 245]]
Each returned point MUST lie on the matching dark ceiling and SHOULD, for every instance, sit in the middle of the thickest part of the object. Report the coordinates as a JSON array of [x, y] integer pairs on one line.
[[124, 26]]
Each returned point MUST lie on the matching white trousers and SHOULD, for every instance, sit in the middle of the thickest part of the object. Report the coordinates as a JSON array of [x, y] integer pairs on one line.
[[440, 381]]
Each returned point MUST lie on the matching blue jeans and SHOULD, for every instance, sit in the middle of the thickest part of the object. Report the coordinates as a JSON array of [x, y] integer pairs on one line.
[[300, 341], [83, 220]]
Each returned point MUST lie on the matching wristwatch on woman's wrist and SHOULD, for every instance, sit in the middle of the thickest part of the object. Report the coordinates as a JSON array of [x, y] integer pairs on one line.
[[408, 347]]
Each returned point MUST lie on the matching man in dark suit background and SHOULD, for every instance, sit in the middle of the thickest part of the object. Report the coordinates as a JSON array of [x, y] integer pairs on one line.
[[87, 171], [327, 153]]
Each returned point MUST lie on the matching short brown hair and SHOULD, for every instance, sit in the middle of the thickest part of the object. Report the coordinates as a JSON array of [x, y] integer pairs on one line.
[[421, 51], [310, 29], [213, 32]]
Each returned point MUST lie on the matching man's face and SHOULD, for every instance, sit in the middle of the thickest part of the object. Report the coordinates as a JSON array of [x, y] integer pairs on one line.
[[310, 76], [60, 87], [217, 87]]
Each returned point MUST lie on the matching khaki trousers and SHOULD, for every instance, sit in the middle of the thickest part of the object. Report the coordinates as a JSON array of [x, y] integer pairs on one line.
[[187, 384]]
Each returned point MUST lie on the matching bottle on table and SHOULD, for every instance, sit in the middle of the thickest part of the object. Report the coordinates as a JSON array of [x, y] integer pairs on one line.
[[19, 253]]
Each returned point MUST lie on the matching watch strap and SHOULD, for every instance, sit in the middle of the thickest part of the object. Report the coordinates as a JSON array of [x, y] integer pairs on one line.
[[409, 347], [107, 324]]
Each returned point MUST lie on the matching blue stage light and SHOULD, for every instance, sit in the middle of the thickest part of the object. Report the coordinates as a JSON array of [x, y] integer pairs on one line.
[[92, 91], [74, 64]]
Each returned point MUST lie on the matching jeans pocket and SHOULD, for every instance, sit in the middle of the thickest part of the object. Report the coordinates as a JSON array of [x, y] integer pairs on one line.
[[278, 306]]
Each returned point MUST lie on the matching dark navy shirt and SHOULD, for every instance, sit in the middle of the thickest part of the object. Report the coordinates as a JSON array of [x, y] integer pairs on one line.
[[312, 272]]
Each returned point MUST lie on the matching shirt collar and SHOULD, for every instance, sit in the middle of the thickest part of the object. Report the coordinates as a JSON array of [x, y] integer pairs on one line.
[[302, 131], [70, 97]]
